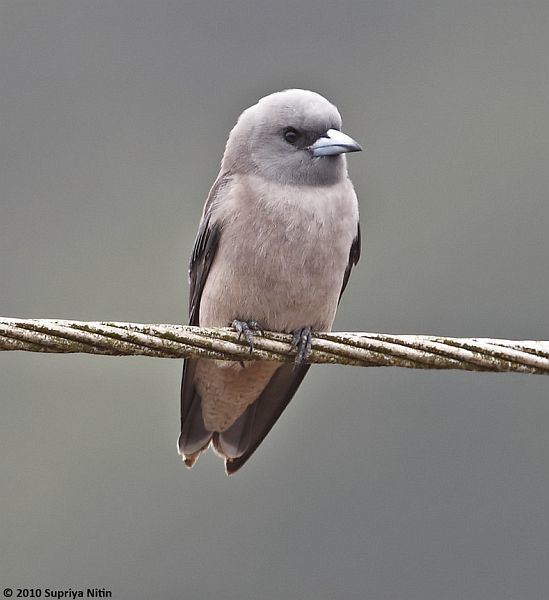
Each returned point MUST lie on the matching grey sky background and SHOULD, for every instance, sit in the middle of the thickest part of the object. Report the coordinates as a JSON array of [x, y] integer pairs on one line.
[[375, 483]]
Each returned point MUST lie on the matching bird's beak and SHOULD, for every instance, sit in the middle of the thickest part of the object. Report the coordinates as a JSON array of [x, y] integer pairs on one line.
[[334, 142]]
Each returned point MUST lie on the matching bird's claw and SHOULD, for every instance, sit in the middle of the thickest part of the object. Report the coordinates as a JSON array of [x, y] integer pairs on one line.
[[245, 328], [302, 343]]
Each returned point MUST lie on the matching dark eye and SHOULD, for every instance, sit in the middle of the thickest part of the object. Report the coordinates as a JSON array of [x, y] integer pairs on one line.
[[291, 135]]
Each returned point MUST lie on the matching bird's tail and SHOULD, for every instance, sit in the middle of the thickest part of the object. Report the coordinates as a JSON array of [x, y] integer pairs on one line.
[[238, 442], [194, 437]]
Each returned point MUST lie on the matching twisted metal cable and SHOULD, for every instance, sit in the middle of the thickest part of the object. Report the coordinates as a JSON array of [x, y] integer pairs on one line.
[[356, 349]]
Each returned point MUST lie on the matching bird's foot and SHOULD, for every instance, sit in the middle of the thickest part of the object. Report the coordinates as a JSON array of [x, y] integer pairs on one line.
[[245, 328], [302, 342]]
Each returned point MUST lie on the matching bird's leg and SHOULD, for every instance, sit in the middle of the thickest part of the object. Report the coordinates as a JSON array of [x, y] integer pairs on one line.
[[302, 342], [255, 326], [245, 328]]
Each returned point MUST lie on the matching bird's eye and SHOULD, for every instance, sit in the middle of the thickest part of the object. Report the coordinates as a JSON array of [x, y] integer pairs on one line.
[[291, 135]]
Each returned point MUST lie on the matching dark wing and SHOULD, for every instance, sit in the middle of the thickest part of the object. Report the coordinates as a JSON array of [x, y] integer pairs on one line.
[[193, 434], [354, 256], [250, 429], [247, 433], [205, 247]]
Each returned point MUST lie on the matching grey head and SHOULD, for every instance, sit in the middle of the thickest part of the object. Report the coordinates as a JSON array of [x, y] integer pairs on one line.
[[293, 137]]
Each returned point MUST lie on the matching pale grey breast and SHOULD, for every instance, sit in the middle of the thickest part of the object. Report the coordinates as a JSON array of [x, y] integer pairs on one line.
[[282, 254]]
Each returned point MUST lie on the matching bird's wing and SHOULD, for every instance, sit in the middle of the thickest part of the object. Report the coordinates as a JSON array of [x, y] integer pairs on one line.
[[193, 434], [250, 429], [354, 257], [205, 247]]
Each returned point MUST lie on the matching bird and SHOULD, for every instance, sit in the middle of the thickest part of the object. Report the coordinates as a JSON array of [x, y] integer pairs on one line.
[[278, 238]]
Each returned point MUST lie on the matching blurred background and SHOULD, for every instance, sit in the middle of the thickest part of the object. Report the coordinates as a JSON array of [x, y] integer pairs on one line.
[[375, 483]]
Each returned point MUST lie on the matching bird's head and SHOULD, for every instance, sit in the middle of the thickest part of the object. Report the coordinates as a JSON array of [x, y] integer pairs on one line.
[[293, 137]]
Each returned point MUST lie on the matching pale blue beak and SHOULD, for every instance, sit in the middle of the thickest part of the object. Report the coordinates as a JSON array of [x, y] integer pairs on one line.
[[334, 142]]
